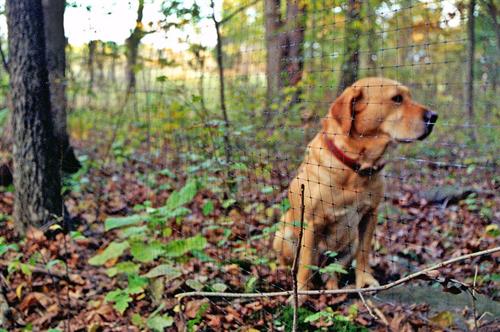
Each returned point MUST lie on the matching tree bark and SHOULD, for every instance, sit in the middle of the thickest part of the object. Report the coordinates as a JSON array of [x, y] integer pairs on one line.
[[37, 178], [285, 48], [133, 42], [493, 12], [350, 65], [53, 11], [296, 21], [274, 52], [372, 38], [469, 86], [90, 64]]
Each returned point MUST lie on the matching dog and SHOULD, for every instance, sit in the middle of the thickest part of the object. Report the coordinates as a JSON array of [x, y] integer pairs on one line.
[[341, 177]]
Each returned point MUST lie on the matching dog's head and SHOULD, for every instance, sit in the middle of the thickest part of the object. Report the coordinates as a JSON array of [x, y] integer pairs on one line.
[[379, 108]]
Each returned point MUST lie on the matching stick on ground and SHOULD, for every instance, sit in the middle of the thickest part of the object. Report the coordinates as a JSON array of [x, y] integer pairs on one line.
[[347, 290]]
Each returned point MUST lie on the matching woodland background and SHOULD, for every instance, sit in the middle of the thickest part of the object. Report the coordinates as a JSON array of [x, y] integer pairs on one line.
[[176, 162]]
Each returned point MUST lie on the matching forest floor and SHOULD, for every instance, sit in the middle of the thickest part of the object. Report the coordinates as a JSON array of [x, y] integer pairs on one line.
[[417, 229]]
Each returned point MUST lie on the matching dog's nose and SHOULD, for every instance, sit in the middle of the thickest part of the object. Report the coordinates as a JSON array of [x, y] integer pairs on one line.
[[430, 118]]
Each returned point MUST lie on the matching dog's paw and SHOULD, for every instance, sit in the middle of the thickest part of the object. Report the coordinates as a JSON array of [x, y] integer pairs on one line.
[[301, 299], [332, 283], [365, 279]]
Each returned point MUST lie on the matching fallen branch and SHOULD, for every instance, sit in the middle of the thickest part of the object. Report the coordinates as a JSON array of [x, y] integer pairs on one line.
[[347, 290]]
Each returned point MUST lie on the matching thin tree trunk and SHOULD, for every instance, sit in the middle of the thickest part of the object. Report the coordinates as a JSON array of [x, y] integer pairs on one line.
[[133, 42], [469, 87], [493, 12], [372, 37], [55, 39], [350, 65], [227, 124], [90, 64], [274, 52], [37, 176]]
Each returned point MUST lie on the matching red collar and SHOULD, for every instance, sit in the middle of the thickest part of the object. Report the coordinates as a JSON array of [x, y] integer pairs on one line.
[[349, 162]]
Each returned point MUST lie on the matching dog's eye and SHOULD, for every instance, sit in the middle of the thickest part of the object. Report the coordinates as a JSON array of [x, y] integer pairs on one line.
[[397, 99]]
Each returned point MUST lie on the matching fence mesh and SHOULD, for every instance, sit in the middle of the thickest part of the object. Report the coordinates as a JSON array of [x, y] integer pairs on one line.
[[283, 66]]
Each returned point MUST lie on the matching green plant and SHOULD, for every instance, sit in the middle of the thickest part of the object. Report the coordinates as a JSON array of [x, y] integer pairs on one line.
[[142, 238]]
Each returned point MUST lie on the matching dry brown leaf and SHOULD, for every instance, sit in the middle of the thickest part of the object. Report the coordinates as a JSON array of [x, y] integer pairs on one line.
[[192, 307]]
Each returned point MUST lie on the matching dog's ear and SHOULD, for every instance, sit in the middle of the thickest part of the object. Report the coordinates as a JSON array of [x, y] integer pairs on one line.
[[342, 110]]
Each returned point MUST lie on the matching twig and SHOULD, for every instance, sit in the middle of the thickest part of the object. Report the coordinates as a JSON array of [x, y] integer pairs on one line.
[[474, 307], [296, 262], [344, 291], [366, 305], [233, 14]]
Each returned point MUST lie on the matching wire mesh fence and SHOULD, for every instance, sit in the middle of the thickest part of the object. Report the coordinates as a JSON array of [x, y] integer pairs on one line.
[[211, 144]]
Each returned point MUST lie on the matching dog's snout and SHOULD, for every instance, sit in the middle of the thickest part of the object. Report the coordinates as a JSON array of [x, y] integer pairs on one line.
[[430, 117]]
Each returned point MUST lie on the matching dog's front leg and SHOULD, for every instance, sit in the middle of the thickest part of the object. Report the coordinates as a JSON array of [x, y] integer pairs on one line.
[[307, 254], [364, 275]]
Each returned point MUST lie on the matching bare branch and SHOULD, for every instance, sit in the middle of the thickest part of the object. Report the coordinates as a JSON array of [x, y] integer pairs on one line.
[[237, 11], [348, 290]]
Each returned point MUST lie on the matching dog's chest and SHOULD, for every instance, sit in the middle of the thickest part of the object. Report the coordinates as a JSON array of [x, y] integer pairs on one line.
[[341, 219]]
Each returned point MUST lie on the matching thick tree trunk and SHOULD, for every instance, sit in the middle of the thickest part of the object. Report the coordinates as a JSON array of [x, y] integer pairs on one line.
[[350, 65], [469, 86], [274, 51], [37, 177], [133, 42], [55, 39]]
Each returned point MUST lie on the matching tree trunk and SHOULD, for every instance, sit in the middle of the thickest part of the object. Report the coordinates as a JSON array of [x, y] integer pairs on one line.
[[37, 177], [90, 64], [274, 51], [469, 87], [372, 38], [493, 12], [296, 22], [133, 42], [350, 65], [227, 125], [55, 39]]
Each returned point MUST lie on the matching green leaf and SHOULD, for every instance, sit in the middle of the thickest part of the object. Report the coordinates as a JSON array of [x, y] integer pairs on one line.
[[55, 262], [333, 268], [114, 250], [208, 208], [250, 284], [146, 252], [228, 202], [178, 248], [219, 287], [6, 247], [112, 223], [120, 298], [168, 173], [195, 284], [267, 190], [183, 196], [134, 231], [123, 267], [318, 315], [163, 270], [136, 284], [159, 323]]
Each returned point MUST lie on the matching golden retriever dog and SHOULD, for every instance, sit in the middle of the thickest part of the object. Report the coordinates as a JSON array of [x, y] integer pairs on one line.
[[341, 175]]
